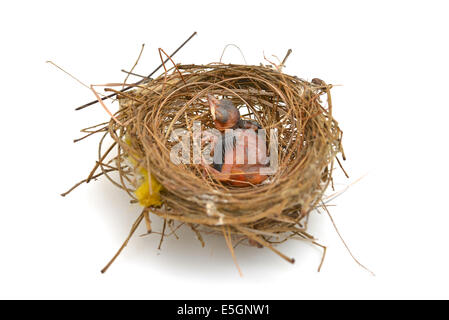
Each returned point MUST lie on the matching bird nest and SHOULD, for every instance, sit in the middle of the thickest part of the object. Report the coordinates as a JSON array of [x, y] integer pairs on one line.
[[308, 140]]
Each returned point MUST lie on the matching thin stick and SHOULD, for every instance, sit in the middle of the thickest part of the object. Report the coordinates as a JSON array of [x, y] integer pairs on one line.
[[97, 164], [141, 81], [69, 74], [198, 234], [265, 244], [133, 229], [227, 236], [173, 231], [341, 167], [323, 256], [135, 64], [286, 57], [85, 180], [147, 221], [103, 105], [174, 64], [136, 74], [339, 193], [236, 46], [343, 241], [89, 134], [162, 234]]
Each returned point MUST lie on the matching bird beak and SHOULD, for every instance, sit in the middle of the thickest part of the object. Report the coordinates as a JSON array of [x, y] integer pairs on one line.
[[213, 104]]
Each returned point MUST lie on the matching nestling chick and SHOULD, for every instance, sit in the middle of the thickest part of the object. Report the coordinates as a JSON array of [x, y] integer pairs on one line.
[[227, 116]]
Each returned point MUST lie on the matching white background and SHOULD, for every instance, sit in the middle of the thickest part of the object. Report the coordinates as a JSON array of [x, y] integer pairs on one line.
[[390, 58]]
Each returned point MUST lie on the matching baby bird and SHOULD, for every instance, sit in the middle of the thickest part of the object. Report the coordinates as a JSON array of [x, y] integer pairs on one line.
[[227, 116]]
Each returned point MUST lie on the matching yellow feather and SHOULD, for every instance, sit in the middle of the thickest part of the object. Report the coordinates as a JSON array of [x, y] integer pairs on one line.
[[147, 196]]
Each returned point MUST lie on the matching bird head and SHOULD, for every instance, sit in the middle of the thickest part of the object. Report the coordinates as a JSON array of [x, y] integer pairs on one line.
[[224, 113]]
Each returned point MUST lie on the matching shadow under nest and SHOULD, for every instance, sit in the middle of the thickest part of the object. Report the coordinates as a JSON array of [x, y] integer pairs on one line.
[[265, 214]]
